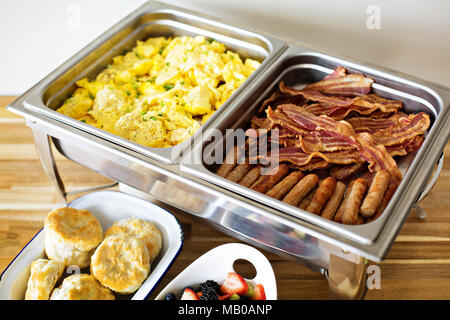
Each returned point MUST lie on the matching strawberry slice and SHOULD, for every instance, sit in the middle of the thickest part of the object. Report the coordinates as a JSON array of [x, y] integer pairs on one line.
[[260, 294], [224, 297], [234, 283], [188, 294]]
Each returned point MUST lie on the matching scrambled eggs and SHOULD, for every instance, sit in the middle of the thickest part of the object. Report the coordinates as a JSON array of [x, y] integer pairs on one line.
[[159, 93]]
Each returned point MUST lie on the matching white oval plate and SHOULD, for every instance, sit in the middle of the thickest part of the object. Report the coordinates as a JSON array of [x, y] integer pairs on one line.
[[215, 265], [107, 207]]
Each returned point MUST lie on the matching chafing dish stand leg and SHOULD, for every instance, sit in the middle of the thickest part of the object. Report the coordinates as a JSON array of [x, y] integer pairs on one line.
[[43, 144], [347, 279], [45, 153]]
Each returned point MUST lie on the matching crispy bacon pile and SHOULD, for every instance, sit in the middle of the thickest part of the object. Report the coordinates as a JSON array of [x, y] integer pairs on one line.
[[337, 123]]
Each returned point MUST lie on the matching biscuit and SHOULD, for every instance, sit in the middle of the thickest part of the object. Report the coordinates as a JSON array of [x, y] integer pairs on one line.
[[142, 229], [81, 287], [121, 263], [71, 236], [43, 276]]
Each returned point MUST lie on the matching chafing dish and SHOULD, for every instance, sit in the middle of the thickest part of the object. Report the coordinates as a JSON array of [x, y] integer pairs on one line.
[[178, 177]]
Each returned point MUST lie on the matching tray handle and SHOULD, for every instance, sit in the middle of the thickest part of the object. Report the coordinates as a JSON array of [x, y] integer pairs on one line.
[[419, 211]]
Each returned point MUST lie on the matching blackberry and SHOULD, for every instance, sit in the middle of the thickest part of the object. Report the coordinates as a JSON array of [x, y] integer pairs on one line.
[[209, 294], [171, 296], [210, 285]]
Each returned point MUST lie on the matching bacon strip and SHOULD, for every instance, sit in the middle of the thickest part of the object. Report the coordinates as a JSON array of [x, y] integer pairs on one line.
[[318, 141], [297, 157], [261, 123], [340, 107], [404, 129], [335, 112], [310, 122], [279, 118], [377, 156], [325, 134], [406, 147], [315, 96], [314, 165], [348, 85], [371, 125], [279, 97], [372, 102], [340, 71]]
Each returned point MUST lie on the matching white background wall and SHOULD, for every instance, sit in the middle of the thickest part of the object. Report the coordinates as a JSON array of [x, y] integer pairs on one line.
[[414, 36]]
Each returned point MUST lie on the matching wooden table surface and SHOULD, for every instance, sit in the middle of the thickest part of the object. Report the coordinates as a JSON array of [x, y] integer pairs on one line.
[[417, 266]]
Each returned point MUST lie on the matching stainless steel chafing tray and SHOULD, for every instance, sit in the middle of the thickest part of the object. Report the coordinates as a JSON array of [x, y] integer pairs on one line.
[[172, 178], [298, 66], [151, 20]]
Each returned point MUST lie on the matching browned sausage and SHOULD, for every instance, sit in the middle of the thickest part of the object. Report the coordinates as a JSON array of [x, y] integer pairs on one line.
[[301, 189], [338, 215], [387, 197], [334, 202], [351, 210], [321, 196], [283, 187], [230, 161], [360, 220], [307, 200], [267, 181], [239, 172], [375, 194], [251, 177]]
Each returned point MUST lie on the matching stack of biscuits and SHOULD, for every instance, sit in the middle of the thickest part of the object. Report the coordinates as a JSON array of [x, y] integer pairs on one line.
[[119, 261]]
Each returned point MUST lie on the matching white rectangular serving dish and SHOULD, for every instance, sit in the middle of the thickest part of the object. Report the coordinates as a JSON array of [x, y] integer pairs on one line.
[[107, 207]]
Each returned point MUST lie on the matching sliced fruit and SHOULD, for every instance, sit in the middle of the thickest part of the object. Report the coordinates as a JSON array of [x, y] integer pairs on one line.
[[250, 293], [235, 296], [234, 283], [225, 297], [189, 294], [260, 294]]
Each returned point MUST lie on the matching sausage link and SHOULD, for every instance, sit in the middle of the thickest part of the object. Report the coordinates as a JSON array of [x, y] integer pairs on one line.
[[351, 210], [332, 205], [251, 177], [283, 187], [230, 161], [266, 182], [338, 215], [239, 172], [321, 196], [387, 197], [375, 194], [301, 189], [307, 200]]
